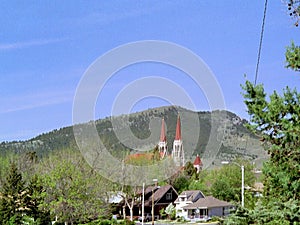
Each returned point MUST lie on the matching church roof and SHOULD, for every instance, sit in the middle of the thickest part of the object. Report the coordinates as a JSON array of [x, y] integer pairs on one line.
[[163, 137], [197, 161], [178, 129]]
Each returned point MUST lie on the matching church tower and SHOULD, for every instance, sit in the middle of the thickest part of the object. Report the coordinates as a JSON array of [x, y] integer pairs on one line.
[[177, 153], [198, 164], [162, 144]]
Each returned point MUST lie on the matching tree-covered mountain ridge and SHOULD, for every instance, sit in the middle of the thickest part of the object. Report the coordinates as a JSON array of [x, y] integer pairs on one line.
[[221, 133]]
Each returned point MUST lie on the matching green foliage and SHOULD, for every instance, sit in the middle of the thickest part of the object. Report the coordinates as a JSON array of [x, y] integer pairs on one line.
[[12, 202], [181, 183], [286, 213], [21, 202], [127, 222], [292, 56], [277, 120], [189, 169], [73, 192], [203, 182], [227, 184], [162, 213], [171, 211]]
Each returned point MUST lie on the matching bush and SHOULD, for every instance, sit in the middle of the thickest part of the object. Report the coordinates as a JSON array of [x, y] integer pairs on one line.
[[105, 222], [127, 222], [180, 219]]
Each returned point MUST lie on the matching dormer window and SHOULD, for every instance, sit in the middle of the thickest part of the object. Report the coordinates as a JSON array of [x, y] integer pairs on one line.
[[169, 196]]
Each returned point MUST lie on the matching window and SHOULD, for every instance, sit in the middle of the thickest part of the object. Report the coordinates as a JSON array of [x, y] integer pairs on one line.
[[169, 196]]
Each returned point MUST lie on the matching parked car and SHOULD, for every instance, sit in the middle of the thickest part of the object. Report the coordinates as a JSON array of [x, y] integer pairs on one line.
[[147, 218]]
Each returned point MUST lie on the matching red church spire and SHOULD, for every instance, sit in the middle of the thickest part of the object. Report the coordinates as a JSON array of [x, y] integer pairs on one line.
[[163, 137], [197, 161], [178, 129]]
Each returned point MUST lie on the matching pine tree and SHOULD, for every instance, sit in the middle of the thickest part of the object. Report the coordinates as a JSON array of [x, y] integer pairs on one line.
[[11, 202]]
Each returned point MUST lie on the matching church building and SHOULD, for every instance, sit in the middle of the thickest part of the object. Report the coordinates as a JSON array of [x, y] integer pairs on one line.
[[177, 152]]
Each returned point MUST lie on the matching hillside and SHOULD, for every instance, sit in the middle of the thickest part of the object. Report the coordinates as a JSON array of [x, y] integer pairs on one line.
[[222, 135]]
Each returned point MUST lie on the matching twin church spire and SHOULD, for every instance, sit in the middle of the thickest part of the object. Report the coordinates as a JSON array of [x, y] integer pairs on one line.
[[177, 152]]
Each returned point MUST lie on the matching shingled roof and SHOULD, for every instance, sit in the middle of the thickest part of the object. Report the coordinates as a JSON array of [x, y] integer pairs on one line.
[[192, 195], [158, 194], [208, 202]]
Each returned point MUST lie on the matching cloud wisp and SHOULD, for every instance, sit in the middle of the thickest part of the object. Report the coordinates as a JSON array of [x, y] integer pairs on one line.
[[26, 44], [19, 103]]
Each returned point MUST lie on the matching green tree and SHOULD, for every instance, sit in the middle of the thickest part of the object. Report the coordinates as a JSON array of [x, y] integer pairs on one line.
[[35, 199], [12, 203], [73, 191], [227, 183], [203, 182], [277, 121], [189, 169], [292, 56], [181, 182], [171, 211]]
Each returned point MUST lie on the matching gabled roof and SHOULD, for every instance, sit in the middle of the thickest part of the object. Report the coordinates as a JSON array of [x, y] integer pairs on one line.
[[197, 161], [159, 193], [208, 202], [192, 195]]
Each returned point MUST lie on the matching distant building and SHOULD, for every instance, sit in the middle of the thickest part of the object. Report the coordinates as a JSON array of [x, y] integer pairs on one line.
[[198, 164], [162, 144], [177, 152], [206, 208], [184, 199], [193, 205]]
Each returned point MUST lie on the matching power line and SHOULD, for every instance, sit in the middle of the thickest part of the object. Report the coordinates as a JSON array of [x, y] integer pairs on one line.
[[260, 41]]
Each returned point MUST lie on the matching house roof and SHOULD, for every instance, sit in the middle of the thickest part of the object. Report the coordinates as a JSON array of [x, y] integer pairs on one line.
[[192, 195], [139, 156], [158, 194], [258, 186], [197, 161], [207, 202]]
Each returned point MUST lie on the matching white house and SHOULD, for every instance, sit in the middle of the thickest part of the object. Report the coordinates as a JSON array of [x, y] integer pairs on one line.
[[184, 199], [207, 207]]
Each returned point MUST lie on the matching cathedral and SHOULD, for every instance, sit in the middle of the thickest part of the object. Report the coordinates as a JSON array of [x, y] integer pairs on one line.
[[177, 152]]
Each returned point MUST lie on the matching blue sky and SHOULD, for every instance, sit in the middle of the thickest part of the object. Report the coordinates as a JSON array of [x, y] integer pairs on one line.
[[46, 46]]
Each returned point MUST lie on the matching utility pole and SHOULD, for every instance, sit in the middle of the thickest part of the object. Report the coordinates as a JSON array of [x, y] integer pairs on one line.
[[143, 204], [243, 180], [155, 181], [152, 206]]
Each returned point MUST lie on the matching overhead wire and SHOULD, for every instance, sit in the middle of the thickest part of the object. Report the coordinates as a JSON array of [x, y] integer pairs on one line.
[[260, 41]]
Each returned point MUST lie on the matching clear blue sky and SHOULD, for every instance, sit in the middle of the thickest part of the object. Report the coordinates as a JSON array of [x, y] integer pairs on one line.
[[46, 46]]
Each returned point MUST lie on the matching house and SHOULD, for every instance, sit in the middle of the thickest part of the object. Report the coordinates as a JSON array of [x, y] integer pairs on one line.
[[207, 207], [161, 196], [184, 199]]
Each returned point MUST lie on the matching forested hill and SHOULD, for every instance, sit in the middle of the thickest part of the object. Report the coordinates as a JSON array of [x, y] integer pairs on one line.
[[236, 140]]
